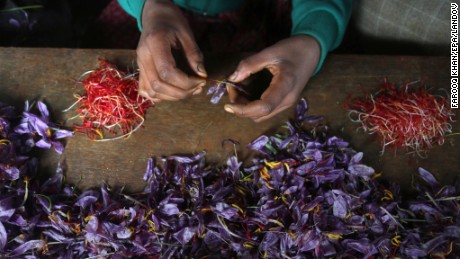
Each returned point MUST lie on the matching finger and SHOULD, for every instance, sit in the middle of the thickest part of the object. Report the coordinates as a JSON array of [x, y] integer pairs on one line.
[[165, 97], [144, 87], [235, 96], [279, 109], [270, 102], [193, 55], [166, 66], [151, 86], [249, 66], [253, 109]]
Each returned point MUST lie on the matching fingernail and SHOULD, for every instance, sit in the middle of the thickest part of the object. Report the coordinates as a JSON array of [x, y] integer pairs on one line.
[[197, 91], [200, 68], [202, 84], [228, 109], [234, 76]]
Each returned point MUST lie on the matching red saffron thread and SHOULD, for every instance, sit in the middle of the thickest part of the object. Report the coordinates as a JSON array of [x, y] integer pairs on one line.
[[408, 116], [110, 104]]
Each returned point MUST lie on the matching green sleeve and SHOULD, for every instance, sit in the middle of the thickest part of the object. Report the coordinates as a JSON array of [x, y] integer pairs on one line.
[[134, 8], [325, 20]]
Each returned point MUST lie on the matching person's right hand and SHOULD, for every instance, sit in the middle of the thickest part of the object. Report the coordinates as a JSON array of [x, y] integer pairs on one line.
[[165, 28]]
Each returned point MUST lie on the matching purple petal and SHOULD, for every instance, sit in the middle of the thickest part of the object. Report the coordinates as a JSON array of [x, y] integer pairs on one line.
[[3, 237], [23, 128], [58, 146], [212, 240], [314, 154], [9, 172], [217, 91], [258, 143], [92, 225], [313, 119], [308, 241], [416, 207], [170, 209], [340, 207], [18, 220], [301, 109], [356, 220], [314, 203], [356, 158], [327, 248], [6, 214], [149, 170], [363, 246], [218, 95], [37, 124], [62, 133], [185, 235], [428, 177], [124, 233], [269, 241], [212, 89], [335, 141], [434, 243], [187, 160], [27, 246], [452, 231], [305, 168], [56, 236], [225, 210], [85, 201], [42, 143], [14, 23], [43, 110], [413, 252], [361, 170], [234, 167]]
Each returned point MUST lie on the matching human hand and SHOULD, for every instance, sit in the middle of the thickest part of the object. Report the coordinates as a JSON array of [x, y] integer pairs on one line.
[[165, 28], [291, 62]]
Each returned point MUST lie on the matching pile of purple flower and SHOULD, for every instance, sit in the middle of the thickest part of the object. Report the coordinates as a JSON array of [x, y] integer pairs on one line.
[[306, 195]]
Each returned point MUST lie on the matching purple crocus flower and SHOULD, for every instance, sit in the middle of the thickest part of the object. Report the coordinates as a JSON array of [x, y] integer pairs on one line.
[[217, 91], [42, 127], [220, 88]]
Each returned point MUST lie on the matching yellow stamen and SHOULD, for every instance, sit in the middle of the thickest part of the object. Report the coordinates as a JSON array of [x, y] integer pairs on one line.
[[248, 245], [152, 226], [264, 174], [238, 207], [396, 240], [388, 195], [272, 164], [333, 236]]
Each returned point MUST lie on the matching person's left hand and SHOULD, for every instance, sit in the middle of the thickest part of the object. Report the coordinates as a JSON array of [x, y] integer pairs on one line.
[[291, 61]]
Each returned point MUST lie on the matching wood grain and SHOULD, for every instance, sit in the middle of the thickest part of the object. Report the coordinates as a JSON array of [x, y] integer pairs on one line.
[[189, 126]]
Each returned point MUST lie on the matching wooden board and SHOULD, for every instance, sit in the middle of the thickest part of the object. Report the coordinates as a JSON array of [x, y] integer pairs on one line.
[[189, 126]]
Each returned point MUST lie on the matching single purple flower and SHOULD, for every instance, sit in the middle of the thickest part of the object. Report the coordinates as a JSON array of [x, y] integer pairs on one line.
[[217, 90], [41, 126]]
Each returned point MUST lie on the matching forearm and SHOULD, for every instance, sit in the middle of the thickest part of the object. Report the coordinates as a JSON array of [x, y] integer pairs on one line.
[[134, 8], [325, 20]]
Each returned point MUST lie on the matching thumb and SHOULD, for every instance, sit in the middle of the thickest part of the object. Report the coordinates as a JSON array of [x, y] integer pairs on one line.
[[249, 66], [235, 96], [194, 56]]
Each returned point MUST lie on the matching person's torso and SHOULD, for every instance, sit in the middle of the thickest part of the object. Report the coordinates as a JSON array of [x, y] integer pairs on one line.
[[209, 7]]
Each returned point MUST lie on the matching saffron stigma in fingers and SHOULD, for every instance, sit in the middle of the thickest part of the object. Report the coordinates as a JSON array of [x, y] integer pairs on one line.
[[406, 116], [110, 107]]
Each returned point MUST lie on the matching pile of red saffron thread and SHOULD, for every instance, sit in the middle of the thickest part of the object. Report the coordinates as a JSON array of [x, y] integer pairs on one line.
[[408, 116], [110, 104]]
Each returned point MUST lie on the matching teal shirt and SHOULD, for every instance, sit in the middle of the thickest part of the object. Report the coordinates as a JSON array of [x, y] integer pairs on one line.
[[325, 20]]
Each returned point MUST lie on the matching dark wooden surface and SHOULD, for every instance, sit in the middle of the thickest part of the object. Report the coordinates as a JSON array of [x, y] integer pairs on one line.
[[195, 124]]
